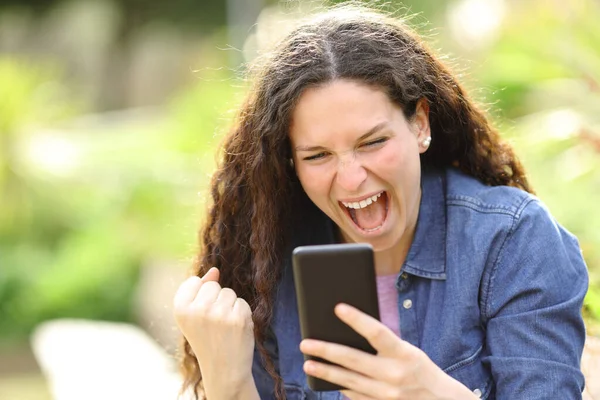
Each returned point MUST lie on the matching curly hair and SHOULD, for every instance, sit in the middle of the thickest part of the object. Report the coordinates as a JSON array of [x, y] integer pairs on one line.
[[255, 190]]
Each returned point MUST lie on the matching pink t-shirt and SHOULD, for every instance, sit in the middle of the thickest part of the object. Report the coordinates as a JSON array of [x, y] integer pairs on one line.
[[388, 304]]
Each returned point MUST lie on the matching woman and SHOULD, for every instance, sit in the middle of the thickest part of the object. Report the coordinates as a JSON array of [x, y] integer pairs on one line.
[[356, 132]]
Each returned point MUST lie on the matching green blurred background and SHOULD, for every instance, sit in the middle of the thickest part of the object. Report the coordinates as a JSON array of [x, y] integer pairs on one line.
[[110, 112]]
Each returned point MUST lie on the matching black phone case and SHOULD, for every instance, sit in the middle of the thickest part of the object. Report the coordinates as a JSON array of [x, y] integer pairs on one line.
[[325, 275]]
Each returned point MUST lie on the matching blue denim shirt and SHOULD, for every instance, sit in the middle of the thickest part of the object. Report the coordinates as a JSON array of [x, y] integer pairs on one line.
[[496, 286]]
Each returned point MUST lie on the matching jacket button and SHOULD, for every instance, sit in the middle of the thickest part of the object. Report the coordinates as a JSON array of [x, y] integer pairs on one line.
[[477, 392], [407, 304], [404, 275]]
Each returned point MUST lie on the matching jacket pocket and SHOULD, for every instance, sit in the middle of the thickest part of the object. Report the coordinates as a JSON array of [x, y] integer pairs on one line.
[[472, 373]]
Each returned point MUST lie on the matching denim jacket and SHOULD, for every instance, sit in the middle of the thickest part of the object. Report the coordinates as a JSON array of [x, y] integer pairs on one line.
[[495, 285]]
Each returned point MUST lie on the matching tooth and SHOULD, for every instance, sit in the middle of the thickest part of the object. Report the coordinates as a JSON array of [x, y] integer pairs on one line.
[[363, 204], [373, 198], [356, 205], [373, 229], [369, 201], [345, 204]]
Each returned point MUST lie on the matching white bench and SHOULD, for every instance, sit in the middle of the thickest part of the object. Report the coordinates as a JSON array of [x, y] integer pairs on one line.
[[96, 360]]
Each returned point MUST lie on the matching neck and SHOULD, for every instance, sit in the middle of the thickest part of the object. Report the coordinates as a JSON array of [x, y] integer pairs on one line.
[[390, 261]]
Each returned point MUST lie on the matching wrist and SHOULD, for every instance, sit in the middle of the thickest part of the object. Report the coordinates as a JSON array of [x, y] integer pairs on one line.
[[248, 391], [231, 389], [449, 388]]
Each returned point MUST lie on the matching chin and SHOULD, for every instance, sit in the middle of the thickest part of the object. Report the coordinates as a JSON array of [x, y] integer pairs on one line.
[[382, 243]]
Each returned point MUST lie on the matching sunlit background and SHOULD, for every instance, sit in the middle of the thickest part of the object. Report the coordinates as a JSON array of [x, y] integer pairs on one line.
[[110, 112]]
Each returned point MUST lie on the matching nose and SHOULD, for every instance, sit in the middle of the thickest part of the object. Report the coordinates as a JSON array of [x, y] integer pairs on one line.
[[350, 174]]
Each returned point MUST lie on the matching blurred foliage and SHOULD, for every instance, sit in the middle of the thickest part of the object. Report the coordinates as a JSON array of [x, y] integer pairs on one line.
[[199, 15], [74, 235], [544, 74]]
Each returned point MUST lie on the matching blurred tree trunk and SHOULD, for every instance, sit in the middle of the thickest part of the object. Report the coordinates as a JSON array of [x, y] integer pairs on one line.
[[114, 92], [241, 17]]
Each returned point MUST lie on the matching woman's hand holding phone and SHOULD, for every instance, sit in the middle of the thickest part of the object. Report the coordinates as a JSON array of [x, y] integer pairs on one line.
[[218, 326], [399, 370]]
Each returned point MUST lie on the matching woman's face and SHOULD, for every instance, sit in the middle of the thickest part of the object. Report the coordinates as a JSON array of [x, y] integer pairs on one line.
[[357, 159]]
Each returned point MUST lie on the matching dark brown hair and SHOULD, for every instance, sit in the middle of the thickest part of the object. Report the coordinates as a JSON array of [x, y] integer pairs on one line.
[[254, 186]]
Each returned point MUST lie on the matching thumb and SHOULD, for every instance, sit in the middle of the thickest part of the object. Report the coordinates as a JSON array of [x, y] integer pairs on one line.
[[212, 275]]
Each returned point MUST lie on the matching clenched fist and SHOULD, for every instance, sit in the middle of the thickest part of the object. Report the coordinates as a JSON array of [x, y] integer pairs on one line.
[[218, 326]]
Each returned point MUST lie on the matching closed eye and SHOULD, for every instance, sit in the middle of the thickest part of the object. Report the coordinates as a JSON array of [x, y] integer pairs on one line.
[[375, 142], [315, 157]]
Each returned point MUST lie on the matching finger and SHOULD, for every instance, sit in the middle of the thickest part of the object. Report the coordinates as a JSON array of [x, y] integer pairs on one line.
[[213, 274], [241, 307], [349, 379], [208, 293], [188, 290], [347, 357], [186, 293], [226, 299], [377, 334]]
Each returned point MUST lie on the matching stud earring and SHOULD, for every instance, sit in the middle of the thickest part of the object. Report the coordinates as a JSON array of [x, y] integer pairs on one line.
[[426, 142]]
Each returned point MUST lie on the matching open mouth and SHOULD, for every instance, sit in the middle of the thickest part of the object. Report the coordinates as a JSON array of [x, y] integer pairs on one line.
[[368, 214]]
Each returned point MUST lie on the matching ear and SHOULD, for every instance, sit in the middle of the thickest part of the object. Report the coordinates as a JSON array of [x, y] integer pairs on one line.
[[420, 123]]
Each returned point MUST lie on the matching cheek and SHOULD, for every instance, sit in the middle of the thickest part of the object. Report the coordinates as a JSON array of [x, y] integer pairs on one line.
[[314, 184], [400, 167], [392, 162]]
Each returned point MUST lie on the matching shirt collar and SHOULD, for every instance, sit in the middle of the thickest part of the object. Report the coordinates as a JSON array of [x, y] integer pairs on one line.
[[427, 255]]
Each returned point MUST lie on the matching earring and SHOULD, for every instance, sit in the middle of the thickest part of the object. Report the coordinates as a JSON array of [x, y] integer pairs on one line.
[[426, 142], [292, 162]]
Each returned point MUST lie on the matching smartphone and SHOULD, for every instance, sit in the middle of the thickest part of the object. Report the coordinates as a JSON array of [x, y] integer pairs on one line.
[[325, 275]]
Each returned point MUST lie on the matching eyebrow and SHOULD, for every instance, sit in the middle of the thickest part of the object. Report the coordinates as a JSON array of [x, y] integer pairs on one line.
[[369, 133]]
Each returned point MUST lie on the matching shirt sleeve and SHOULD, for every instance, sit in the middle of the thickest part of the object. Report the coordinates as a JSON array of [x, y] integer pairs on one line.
[[531, 302]]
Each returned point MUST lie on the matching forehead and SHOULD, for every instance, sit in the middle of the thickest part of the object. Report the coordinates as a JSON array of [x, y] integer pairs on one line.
[[339, 108]]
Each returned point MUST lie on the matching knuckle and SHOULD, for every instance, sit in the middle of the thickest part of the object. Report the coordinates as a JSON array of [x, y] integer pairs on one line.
[[244, 307], [228, 292], [201, 312], [194, 279], [378, 334], [202, 305], [210, 285], [352, 381], [354, 357], [396, 375]]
